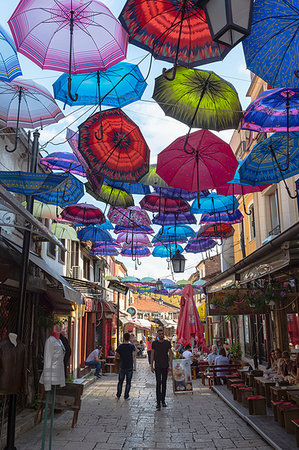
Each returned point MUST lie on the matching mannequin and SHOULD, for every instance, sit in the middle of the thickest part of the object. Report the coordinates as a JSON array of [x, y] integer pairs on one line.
[[12, 365]]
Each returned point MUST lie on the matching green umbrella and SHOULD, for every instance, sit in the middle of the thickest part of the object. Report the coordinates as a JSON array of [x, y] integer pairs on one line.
[[63, 231], [200, 99], [111, 278], [44, 210], [153, 179], [183, 282], [111, 195]]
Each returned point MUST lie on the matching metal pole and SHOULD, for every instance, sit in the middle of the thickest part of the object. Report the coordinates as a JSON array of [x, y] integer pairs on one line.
[[117, 320], [11, 423]]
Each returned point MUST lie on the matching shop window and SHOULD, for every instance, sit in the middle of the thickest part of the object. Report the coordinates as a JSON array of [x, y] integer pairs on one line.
[[251, 222], [86, 268], [61, 256], [274, 214], [74, 253], [51, 250]]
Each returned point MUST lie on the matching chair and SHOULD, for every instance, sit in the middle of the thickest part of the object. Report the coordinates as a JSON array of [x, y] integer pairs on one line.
[[257, 405]]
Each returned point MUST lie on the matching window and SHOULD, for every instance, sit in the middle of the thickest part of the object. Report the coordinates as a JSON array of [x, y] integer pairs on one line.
[[251, 222], [62, 253], [274, 215], [86, 268], [74, 253], [51, 251]]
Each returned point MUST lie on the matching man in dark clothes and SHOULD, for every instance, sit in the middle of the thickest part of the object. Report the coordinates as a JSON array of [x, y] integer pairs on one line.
[[161, 356], [125, 353]]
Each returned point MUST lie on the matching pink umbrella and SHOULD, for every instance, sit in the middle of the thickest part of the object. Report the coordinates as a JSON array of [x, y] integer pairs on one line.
[[205, 162], [156, 203], [131, 217], [189, 324], [129, 239], [83, 213]]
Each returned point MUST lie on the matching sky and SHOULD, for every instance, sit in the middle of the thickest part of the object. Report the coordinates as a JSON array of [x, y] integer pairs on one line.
[[158, 130]]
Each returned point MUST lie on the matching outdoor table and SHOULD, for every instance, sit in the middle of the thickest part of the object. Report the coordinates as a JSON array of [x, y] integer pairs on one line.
[[281, 392], [242, 373], [263, 387], [249, 379]]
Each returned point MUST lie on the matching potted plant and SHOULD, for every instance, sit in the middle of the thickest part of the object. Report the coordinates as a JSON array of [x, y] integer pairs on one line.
[[236, 351]]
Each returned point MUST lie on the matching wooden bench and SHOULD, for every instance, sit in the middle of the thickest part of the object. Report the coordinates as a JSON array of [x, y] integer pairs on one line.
[[285, 414], [257, 405], [212, 373], [295, 422]]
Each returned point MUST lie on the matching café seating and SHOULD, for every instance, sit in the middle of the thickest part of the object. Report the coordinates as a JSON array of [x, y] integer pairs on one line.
[[247, 392], [275, 406], [295, 422], [257, 405], [285, 414]]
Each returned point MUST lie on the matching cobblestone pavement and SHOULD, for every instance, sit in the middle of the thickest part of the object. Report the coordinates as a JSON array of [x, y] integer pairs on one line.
[[197, 421]]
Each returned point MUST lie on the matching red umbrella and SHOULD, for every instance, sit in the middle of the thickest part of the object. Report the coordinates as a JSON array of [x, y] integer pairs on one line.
[[83, 213], [216, 230], [205, 162], [155, 203], [189, 324], [112, 144]]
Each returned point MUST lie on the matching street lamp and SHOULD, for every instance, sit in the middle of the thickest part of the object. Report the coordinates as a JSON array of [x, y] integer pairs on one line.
[[159, 285], [178, 262], [229, 20]]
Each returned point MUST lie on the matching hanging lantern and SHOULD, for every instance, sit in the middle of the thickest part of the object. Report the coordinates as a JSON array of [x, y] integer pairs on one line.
[[229, 20], [178, 262], [159, 285]]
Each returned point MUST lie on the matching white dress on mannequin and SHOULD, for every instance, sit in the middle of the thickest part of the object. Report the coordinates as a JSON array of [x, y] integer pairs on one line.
[[53, 373]]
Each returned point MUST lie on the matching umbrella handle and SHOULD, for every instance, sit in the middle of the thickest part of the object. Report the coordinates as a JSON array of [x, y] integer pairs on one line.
[[244, 207], [17, 124], [16, 143], [172, 77], [96, 135], [69, 89]]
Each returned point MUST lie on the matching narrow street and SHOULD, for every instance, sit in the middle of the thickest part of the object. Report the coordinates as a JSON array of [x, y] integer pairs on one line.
[[201, 420]]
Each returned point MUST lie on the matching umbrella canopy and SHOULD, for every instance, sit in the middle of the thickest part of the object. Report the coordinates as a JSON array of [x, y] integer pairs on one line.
[[164, 239], [103, 243], [130, 188], [230, 217], [179, 194], [271, 48], [215, 203], [199, 283], [152, 178], [44, 211], [67, 194], [27, 183], [180, 231], [75, 36], [171, 31], [148, 280], [168, 283], [117, 86], [63, 231], [141, 230], [204, 163], [111, 278], [83, 213], [140, 252], [166, 251], [65, 161], [235, 187], [200, 99], [9, 63], [121, 153], [200, 245], [175, 219], [219, 230], [129, 279], [104, 251], [106, 226], [94, 233], [155, 203], [264, 162], [111, 196], [131, 217], [183, 282], [189, 325], [133, 239]]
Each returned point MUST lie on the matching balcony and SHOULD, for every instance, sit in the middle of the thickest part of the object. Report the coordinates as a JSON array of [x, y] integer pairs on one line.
[[275, 232]]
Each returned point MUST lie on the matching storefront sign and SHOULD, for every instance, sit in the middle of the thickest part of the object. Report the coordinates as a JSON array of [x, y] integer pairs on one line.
[[132, 311], [223, 284], [118, 287], [240, 305], [265, 268], [181, 375]]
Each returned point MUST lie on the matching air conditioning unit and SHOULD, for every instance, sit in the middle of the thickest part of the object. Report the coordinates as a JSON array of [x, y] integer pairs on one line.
[[76, 272]]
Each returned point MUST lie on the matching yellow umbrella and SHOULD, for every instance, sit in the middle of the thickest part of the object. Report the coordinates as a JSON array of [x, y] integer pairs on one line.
[[45, 211], [63, 231]]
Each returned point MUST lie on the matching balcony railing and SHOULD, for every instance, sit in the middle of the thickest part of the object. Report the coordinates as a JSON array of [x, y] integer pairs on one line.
[[275, 231]]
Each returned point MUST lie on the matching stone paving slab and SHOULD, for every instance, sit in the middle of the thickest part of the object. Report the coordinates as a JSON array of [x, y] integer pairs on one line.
[[197, 421]]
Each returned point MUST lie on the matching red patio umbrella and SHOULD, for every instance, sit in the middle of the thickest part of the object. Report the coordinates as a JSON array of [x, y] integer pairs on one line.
[[156, 203], [189, 324], [216, 230]]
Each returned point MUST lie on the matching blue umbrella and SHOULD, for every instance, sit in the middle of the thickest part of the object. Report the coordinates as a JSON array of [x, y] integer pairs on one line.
[[271, 49], [224, 217], [161, 238], [9, 63], [130, 188], [106, 226], [180, 231], [141, 230], [137, 252], [264, 163], [215, 203], [68, 194], [168, 283], [166, 251], [117, 86], [200, 245], [65, 161], [28, 183], [94, 233], [175, 219], [177, 193]]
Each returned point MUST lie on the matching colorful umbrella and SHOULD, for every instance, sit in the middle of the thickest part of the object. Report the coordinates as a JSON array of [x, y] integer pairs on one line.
[[180, 231], [168, 283], [111, 278], [230, 217], [199, 283], [141, 230], [133, 239], [172, 31], [166, 251], [63, 231], [155, 203], [121, 154], [200, 99], [179, 194], [94, 233], [235, 187], [65, 161], [27, 183], [9, 63], [164, 239], [215, 203], [83, 213], [131, 217], [205, 162], [129, 279], [44, 211], [67, 194], [73, 36], [118, 86], [136, 252], [214, 231], [26, 104], [103, 243], [106, 226], [104, 251], [189, 325], [183, 282], [95, 181], [271, 50], [130, 188], [111, 196], [265, 161], [175, 219], [153, 179], [200, 245], [148, 280]]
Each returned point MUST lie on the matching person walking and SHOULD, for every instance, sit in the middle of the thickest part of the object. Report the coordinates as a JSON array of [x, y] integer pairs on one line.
[[149, 348], [125, 353], [161, 356]]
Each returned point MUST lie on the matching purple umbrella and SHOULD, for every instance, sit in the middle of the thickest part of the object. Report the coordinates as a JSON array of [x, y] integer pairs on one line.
[[104, 251], [175, 219], [65, 161], [176, 193], [200, 245], [230, 217], [139, 252], [141, 230], [131, 217], [133, 239]]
